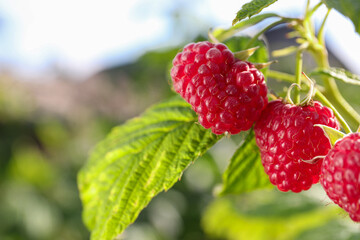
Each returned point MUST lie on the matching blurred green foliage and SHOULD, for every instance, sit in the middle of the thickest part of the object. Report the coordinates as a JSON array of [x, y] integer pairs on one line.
[[272, 215]]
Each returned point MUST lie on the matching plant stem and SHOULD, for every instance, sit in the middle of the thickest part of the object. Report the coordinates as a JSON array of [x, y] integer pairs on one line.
[[307, 6], [298, 70], [332, 91], [342, 121], [318, 49], [280, 76], [320, 36], [253, 39], [291, 79], [311, 12]]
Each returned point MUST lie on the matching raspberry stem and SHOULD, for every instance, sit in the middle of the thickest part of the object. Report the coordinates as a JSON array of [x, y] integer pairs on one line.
[[274, 24], [288, 94], [291, 78], [298, 70], [340, 118], [332, 91], [322, 27], [318, 49], [311, 92]]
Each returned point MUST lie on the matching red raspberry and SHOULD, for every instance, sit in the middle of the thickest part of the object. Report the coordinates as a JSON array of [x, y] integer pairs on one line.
[[228, 94], [340, 174], [286, 136]]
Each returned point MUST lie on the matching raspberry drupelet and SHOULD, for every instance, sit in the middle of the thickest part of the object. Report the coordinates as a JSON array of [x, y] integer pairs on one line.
[[340, 174], [287, 138], [227, 94]]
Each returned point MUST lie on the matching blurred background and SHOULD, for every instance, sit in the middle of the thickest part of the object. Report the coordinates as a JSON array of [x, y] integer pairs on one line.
[[72, 70]]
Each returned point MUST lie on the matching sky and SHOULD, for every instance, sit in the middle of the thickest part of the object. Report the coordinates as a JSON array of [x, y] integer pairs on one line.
[[81, 37]]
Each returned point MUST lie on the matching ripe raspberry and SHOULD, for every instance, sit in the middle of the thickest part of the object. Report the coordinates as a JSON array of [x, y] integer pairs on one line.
[[286, 136], [228, 94], [340, 174]]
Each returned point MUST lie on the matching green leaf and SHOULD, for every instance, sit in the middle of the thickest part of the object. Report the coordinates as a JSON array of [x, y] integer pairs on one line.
[[135, 162], [245, 172], [252, 8], [349, 8], [339, 74], [224, 34], [332, 134], [264, 215]]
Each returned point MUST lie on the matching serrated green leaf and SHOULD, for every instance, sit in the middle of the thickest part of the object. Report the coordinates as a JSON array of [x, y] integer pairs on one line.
[[332, 134], [252, 8], [339, 74], [349, 8], [135, 162], [245, 171], [224, 34]]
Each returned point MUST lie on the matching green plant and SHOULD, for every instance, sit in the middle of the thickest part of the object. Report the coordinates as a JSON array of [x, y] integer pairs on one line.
[[148, 154]]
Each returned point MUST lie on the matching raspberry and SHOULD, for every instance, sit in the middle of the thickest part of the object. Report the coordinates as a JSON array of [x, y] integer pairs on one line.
[[340, 174], [285, 135], [227, 94]]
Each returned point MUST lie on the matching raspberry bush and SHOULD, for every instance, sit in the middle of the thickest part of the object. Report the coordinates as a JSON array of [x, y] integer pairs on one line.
[[290, 138]]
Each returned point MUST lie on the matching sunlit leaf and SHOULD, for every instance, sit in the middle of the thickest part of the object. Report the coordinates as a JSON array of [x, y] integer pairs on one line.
[[135, 162], [245, 171], [252, 8]]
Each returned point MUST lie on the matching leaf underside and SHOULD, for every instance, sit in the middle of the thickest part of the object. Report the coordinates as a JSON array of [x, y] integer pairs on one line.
[[135, 162], [252, 8], [339, 74]]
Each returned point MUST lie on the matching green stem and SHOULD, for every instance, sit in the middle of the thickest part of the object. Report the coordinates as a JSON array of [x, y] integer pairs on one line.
[[225, 34], [280, 76], [253, 39], [307, 6], [291, 79], [318, 50], [332, 91], [339, 117], [321, 37], [311, 12], [298, 70]]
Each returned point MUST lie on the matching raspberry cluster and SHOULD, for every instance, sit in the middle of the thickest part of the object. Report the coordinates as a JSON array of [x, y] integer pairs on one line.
[[286, 136], [340, 174], [228, 94]]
